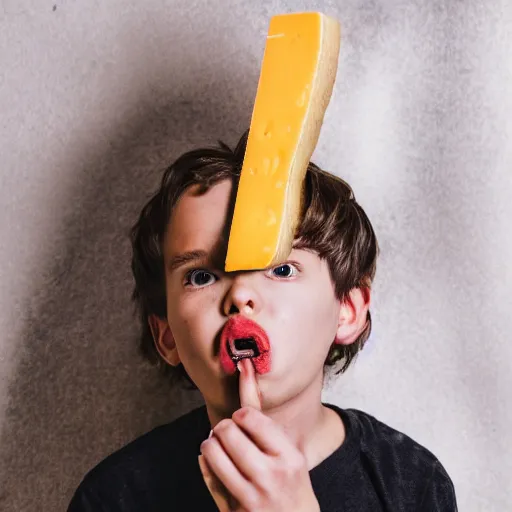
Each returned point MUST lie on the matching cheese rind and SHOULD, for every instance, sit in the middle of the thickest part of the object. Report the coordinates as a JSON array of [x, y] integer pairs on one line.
[[296, 81]]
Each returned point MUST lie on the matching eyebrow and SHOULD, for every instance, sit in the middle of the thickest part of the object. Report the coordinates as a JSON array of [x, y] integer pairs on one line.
[[185, 257]]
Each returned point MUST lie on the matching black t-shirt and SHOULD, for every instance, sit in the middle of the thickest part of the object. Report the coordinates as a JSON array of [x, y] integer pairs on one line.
[[375, 469]]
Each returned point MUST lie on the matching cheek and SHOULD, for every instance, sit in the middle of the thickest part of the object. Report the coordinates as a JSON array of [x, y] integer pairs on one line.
[[320, 322], [309, 318], [193, 322]]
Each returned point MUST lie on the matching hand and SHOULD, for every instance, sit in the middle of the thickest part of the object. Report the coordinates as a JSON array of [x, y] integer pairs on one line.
[[249, 464]]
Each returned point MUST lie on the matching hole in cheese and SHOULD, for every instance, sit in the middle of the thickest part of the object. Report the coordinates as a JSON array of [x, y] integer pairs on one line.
[[295, 85]]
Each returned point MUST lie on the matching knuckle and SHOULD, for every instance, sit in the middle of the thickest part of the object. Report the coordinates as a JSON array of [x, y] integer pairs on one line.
[[222, 426], [207, 447], [278, 477], [289, 470], [298, 463], [244, 414], [253, 502]]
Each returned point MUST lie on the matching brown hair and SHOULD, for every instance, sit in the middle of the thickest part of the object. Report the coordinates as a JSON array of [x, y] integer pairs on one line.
[[332, 224]]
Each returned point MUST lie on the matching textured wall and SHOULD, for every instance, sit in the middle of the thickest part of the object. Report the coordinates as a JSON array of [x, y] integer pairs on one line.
[[95, 97]]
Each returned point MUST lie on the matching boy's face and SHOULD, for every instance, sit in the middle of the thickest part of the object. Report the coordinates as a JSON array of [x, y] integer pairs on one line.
[[295, 304]]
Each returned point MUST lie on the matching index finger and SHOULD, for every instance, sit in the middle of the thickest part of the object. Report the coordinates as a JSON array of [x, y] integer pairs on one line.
[[248, 386]]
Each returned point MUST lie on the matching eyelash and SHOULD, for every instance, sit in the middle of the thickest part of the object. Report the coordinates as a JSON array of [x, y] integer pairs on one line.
[[190, 273], [294, 265]]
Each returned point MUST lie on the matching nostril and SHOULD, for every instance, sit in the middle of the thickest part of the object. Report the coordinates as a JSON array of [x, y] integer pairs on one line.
[[233, 310]]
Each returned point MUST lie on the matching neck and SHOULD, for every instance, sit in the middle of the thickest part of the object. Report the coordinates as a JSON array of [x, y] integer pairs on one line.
[[314, 429]]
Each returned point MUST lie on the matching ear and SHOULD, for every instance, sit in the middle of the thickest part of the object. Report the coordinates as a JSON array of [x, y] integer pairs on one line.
[[164, 340], [353, 316]]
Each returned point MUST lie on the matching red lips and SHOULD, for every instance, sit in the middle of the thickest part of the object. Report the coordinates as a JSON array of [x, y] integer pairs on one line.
[[240, 327]]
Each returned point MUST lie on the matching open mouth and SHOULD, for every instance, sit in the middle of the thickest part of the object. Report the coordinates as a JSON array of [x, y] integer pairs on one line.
[[242, 338], [242, 348]]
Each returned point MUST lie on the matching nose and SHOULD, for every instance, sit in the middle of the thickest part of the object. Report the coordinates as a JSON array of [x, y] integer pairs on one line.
[[242, 296]]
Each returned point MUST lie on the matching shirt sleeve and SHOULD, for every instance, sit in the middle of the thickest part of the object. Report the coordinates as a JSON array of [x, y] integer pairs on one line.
[[84, 500], [439, 494]]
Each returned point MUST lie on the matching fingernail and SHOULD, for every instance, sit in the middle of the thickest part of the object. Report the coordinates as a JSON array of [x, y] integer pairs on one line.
[[239, 366], [201, 446]]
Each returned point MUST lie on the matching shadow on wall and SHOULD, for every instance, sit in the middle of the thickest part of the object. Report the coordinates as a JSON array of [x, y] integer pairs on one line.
[[81, 390]]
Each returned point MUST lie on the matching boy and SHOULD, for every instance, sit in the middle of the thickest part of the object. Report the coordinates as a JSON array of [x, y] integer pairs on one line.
[[274, 446]]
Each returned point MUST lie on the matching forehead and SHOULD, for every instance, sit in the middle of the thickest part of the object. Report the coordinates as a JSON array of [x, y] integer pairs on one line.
[[200, 222]]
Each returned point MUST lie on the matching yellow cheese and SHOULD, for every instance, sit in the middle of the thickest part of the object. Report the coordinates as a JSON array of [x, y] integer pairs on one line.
[[295, 86]]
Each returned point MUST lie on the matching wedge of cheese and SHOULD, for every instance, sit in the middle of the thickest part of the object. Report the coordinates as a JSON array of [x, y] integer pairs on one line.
[[295, 85]]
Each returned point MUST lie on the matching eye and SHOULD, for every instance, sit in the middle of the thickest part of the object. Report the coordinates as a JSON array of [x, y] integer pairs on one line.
[[199, 278], [284, 271]]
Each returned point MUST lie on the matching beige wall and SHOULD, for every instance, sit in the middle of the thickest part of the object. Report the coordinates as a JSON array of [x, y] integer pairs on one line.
[[96, 96]]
